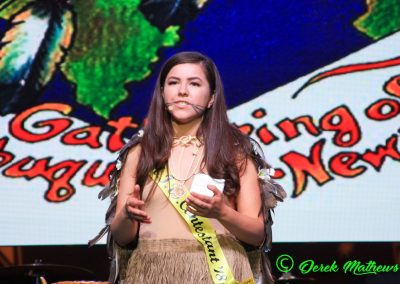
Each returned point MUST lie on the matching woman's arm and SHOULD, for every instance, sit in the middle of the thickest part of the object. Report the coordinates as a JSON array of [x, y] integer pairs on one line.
[[125, 224], [246, 222]]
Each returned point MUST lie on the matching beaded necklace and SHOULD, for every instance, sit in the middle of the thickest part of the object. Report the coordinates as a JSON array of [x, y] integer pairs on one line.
[[185, 141]]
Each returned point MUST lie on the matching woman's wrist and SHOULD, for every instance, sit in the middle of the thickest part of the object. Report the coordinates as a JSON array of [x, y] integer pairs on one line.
[[224, 213]]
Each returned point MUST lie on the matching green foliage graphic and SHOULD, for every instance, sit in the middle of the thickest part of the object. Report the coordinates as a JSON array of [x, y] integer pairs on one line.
[[114, 44], [382, 18]]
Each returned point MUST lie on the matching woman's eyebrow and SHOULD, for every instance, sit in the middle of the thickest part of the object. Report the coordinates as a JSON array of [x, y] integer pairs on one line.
[[194, 78], [189, 78]]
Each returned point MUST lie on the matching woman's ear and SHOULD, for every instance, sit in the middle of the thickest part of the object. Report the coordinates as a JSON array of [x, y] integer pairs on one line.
[[211, 101]]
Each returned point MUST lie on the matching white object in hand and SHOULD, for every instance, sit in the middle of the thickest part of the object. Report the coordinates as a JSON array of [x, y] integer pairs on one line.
[[200, 182]]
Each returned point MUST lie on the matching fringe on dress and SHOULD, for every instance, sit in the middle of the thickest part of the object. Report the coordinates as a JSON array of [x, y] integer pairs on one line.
[[171, 261]]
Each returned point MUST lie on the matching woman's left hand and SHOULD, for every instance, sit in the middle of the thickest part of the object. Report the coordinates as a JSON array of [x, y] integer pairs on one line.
[[207, 206]]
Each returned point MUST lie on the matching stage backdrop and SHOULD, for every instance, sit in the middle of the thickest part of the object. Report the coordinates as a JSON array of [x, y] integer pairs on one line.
[[317, 83]]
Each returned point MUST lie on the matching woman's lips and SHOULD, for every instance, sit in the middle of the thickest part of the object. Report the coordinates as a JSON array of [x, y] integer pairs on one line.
[[182, 104]]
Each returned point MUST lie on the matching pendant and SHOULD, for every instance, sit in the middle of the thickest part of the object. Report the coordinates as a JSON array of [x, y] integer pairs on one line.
[[178, 191]]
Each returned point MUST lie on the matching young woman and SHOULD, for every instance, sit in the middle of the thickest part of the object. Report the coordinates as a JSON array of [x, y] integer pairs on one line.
[[163, 230]]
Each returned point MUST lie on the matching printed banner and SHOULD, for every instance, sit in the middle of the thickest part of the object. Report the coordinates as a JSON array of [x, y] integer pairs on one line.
[[316, 83]]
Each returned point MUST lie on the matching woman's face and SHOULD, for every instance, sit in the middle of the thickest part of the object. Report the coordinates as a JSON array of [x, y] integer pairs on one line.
[[184, 85]]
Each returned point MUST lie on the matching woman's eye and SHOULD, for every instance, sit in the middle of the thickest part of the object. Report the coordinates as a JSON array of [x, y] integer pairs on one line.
[[172, 83], [195, 84]]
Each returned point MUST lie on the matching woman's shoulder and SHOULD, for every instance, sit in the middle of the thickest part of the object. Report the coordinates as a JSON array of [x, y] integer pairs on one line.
[[135, 150], [130, 153], [131, 149]]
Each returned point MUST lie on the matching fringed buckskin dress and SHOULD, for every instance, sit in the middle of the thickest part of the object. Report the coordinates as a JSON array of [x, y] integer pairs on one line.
[[165, 250]]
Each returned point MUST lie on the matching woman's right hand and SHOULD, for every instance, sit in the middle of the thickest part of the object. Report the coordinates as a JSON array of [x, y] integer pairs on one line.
[[134, 205]]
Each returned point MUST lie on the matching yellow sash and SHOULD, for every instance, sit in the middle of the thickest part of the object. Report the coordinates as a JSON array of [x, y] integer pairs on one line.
[[202, 230]]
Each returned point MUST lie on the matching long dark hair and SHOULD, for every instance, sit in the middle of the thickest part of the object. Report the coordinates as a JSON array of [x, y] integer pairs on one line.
[[226, 148]]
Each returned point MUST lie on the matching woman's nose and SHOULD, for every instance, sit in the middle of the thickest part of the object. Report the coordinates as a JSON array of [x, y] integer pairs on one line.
[[183, 90]]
